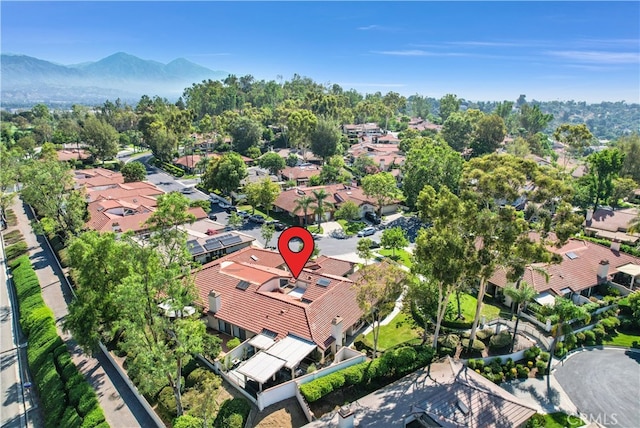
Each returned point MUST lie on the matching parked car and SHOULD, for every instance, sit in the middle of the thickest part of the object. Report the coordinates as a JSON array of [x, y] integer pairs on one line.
[[243, 214], [367, 231], [374, 245], [279, 226], [231, 209], [372, 217], [256, 218], [223, 205], [188, 190], [213, 217], [339, 234]]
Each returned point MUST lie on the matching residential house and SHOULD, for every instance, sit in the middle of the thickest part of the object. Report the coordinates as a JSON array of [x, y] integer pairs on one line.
[[73, 155], [445, 394], [300, 173], [208, 240], [189, 163], [420, 124], [358, 130], [611, 224], [386, 157], [318, 308], [338, 194], [583, 266]]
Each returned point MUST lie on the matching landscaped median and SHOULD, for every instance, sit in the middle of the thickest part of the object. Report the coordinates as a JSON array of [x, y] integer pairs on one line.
[[67, 399]]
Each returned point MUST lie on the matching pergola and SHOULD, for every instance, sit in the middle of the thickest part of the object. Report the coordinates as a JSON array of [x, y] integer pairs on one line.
[[273, 356]]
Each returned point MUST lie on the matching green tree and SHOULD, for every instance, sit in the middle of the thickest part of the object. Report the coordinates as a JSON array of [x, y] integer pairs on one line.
[[575, 138], [267, 231], [203, 401], [101, 138], [520, 297], [630, 146], [246, 133], [225, 173], [324, 139], [604, 167], [292, 160], [449, 104], [504, 109], [377, 286], [519, 147], [488, 134], [394, 238], [267, 193], [46, 185], [300, 124], [441, 271], [363, 249], [457, 131], [321, 205], [435, 164], [566, 311], [364, 165], [134, 171], [9, 173], [303, 204], [273, 162], [622, 190], [348, 211], [234, 220], [532, 119]]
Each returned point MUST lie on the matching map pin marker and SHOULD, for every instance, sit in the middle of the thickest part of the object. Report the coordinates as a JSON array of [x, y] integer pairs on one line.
[[296, 260]]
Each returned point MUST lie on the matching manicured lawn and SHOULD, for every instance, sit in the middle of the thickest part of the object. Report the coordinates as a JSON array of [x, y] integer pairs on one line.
[[401, 256], [314, 228], [623, 339], [561, 420], [352, 227], [399, 330], [468, 305], [248, 209]]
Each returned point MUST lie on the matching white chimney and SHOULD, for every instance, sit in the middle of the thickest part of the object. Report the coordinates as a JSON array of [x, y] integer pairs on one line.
[[382, 165], [603, 269], [346, 415], [214, 301], [615, 245], [589, 215], [336, 331]]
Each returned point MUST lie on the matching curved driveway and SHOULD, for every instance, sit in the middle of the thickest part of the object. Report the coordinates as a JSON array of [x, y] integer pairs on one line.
[[604, 384]]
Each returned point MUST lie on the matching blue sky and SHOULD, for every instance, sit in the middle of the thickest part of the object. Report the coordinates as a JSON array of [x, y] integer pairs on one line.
[[585, 51]]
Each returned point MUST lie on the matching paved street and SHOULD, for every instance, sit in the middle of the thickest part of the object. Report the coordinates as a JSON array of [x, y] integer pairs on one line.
[[604, 384], [12, 410], [116, 399]]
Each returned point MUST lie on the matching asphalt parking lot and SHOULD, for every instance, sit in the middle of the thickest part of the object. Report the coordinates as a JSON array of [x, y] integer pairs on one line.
[[605, 385]]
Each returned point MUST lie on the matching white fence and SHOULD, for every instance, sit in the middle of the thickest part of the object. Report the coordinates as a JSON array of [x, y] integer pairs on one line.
[[304, 406]]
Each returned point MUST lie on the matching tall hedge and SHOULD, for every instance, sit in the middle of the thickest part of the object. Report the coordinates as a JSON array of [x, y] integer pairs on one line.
[[67, 399], [392, 364]]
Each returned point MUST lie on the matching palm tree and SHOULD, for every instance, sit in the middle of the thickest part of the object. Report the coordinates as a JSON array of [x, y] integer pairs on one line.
[[566, 311], [319, 197], [303, 204], [521, 297]]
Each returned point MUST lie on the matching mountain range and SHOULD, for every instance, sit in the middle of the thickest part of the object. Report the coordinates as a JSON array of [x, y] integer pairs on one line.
[[26, 80]]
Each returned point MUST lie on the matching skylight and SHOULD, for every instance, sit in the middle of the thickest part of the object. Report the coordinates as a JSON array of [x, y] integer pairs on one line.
[[323, 282], [571, 255], [243, 285]]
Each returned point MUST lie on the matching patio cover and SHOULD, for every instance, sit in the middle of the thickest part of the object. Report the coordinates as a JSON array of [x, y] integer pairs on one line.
[[629, 269], [292, 349], [545, 298], [261, 341], [261, 367]]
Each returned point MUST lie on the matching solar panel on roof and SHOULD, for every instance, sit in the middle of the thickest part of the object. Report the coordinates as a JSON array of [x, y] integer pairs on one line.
[[572, 255], [212, 244], [194, 247], [243, 285], [323, 282], [269, 333]]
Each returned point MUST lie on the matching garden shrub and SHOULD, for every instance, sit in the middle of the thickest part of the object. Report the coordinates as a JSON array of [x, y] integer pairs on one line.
[[570, 341], [580, 338], [610, 324], [541, 366], [589, 338], [311, 391], [484, 334], [457, 325], [560, 351], [233, 343], [544, 356], [480, 364], [16, 250], [599, 332], [443, 351], [500, 340], [94, 418], [71, 419], [471, 363], [404, 358], [188, 421], [239, 406], [197, 376], [353, 375], [476, 346], [311, 368], [167, 402], [87, 403], [449, 340]]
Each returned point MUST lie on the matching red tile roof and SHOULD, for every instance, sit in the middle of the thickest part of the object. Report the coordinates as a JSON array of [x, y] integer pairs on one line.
[[258, 308], [575, 274], [612, 221], [338, 193], [97, 177], [300, 172], [67, 155]]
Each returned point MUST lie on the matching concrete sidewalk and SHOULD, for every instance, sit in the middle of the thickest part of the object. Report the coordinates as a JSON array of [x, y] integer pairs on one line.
[[120, 406]]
